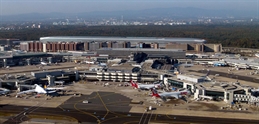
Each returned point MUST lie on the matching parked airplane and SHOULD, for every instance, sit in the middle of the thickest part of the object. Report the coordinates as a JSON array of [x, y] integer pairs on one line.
[[4, 91], [136, 65], [255, 90], [44, 63], [89, 62], [169, 95], [144, 86], [38, 89]]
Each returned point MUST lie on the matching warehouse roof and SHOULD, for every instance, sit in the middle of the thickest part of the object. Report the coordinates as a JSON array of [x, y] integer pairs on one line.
[[132, 39], [140, 49]]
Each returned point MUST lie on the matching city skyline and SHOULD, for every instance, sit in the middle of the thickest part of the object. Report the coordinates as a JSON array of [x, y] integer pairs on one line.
[[14, 7]]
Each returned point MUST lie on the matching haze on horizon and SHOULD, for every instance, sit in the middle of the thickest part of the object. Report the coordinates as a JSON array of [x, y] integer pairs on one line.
[[13, 7]]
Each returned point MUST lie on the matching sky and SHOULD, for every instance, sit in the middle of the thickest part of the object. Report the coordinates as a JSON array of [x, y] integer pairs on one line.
[[13, 7]]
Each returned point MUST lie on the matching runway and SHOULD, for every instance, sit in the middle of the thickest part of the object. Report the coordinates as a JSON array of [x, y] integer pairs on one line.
[[105, 108]]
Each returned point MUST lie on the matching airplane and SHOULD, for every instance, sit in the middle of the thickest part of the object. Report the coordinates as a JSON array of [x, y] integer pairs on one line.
[[169, 95], [44, 63], [255, 90], [4, 91], [136, 65], [102, 64], [89, 62], [257, 55], [38, 89], [144, 86]]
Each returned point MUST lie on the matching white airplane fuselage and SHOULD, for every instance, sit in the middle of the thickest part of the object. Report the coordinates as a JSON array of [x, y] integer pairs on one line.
[[147, 86], [144, 86], [44, 63], [169, 95]]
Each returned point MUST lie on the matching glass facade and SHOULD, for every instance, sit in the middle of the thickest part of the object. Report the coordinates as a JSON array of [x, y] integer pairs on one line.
[[175, 83], [189, 87], [240, 92], [214, 93]]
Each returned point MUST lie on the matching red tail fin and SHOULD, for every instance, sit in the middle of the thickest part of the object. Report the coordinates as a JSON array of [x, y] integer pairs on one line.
[[154, 93], [185, 93], [133, 84]]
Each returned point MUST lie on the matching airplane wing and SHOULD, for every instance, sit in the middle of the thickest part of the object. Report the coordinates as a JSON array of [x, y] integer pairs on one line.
[[145, 87], [51, 91], [27, 91], [173, 95], [163, 98], [2, 93], [149, 86], [55, 88]]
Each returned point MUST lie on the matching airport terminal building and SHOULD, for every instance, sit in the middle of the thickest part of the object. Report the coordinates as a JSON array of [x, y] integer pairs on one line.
[[92, 43], [120, 39]]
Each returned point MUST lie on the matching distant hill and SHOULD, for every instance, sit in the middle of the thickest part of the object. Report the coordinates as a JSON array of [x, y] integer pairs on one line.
[[175, 12]]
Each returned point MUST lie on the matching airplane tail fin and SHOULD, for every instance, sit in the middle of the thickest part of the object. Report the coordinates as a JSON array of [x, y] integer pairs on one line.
[[186, 92], [133, 84], [154, 93], [207, 73], [39, 89]]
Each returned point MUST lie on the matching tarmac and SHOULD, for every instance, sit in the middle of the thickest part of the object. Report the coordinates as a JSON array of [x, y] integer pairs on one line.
[[243, 76], [113, 104], [33, 68], [106, 108]]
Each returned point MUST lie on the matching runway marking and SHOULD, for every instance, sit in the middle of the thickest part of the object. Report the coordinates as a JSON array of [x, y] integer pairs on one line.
[[104, 105], [50, 116], [42, 111], [118, 117], [108, 111], [108, 94], [150, 116], [168, 115], [44, 115], [131, 122], [142, 117], [61, 108], [118, 102], [87, 113]]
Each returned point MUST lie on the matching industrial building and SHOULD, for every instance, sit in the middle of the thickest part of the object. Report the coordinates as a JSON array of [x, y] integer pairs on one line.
[[94, 43], [8, 42], [37, 46], [195, 47], [79, 43], [17, 58], [125, 52], [162, 40]]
